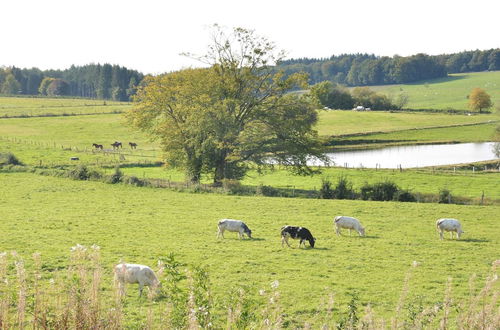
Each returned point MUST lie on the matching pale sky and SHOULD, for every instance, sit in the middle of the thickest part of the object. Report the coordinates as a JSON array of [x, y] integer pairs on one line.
[[149, 35]]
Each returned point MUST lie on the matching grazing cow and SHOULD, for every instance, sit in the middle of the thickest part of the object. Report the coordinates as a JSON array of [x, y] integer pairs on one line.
[[233, 226], [97, 146], [132, 145], [134, 273], [451, 225], [342, 221], [116, 145], [296, 233]]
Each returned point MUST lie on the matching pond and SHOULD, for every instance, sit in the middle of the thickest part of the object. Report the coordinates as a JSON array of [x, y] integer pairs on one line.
[[414, 156]]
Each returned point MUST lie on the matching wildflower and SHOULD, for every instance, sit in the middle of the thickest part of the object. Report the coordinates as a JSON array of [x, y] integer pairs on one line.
[[95, 247], [275, 284], [52, 281], [262, 292], [415, 263]]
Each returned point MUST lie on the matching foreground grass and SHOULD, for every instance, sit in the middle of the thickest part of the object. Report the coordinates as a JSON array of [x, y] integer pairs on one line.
[[141, 225], [446, 93]]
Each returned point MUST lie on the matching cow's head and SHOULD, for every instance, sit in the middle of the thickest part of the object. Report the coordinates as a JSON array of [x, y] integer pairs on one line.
[[362, 231], [248, 232], [312, 241]]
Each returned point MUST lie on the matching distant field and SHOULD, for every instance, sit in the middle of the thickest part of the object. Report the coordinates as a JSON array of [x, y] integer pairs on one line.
[[475, 133], [446, 93], [142, 225], [26, 106], [338, 122]]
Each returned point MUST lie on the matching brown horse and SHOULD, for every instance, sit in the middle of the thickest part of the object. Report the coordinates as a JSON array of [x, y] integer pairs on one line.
[[97, 146], [133, 145], [116, 145]]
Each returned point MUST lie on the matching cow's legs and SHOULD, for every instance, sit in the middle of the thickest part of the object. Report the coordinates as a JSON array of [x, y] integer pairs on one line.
[[337, 230], [441, 234], [220, 233], [284, 239]]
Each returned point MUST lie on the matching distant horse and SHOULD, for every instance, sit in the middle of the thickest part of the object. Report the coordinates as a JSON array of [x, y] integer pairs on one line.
[[116, 145], [97, 146], [133, 145]]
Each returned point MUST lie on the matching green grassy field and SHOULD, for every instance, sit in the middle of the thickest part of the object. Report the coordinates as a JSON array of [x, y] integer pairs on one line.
[[446, 93], [338, 122], [27, 107], [49, 215]]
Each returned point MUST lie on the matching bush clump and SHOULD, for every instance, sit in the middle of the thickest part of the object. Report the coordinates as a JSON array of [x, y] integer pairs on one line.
[[404, 196], [445, 196], [116, 177], [326, 191], [80, 172], [381, 191], [9, 158], [267, 191], [343, 189]]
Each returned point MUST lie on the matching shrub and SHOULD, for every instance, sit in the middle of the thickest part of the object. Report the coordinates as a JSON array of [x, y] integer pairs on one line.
[[381, 191], [80, 172], [326, 191], [234, 187], [116, 177], [445, 196], [404, 196], [9, 159], [267, 191], [343, 189], [135, 181]]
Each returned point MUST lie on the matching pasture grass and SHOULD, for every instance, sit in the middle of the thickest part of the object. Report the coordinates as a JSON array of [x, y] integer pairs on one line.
[[475, 133], [41, 106], [341, 122], [142, 225], [446, 93]]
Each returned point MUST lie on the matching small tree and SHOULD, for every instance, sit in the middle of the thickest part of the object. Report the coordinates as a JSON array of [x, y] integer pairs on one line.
[[11, 85], [479, 100]]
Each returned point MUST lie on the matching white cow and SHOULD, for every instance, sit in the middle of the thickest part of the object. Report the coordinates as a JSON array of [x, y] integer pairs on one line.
[[345, 222], [234, 226], [134, 273], [451, 225]]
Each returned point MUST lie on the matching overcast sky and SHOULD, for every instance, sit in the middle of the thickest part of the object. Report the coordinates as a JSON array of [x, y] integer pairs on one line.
[[149, 35]]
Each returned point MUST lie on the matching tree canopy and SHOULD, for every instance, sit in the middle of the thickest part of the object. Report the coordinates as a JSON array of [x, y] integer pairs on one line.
[[479, 100], [236, 112]]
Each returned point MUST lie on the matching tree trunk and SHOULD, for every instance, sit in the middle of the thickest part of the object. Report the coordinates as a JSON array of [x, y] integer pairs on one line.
[[220, 169]]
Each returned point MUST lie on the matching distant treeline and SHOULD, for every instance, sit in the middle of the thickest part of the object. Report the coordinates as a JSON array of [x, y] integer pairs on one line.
[[104, 81], [108, 81], [366, 69]]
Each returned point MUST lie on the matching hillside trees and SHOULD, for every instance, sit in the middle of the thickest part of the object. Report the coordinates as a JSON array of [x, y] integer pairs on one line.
[[332, 95], [10, 85], [235, 112], [479, 100], [93, 80]]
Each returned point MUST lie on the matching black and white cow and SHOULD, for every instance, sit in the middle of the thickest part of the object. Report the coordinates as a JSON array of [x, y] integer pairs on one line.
[[301, 233], [235, 226]]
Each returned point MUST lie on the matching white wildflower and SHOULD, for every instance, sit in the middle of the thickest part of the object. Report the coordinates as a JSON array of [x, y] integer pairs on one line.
[[275, 284]]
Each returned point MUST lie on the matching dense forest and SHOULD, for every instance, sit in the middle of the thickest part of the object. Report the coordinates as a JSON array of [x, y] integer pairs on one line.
[[108, 81], [366, 69], [104, 81]]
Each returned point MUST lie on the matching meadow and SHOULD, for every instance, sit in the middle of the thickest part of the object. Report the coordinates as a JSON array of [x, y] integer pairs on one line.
[[142, 225], [446, 93], [49, 215], [31, 106], [345, 122]]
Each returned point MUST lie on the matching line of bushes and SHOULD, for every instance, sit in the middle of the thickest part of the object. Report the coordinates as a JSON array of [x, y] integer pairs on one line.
[[342, 189]]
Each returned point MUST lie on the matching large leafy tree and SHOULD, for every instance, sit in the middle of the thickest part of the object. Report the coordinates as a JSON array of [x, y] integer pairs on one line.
[[237, 111], [479, 100]]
